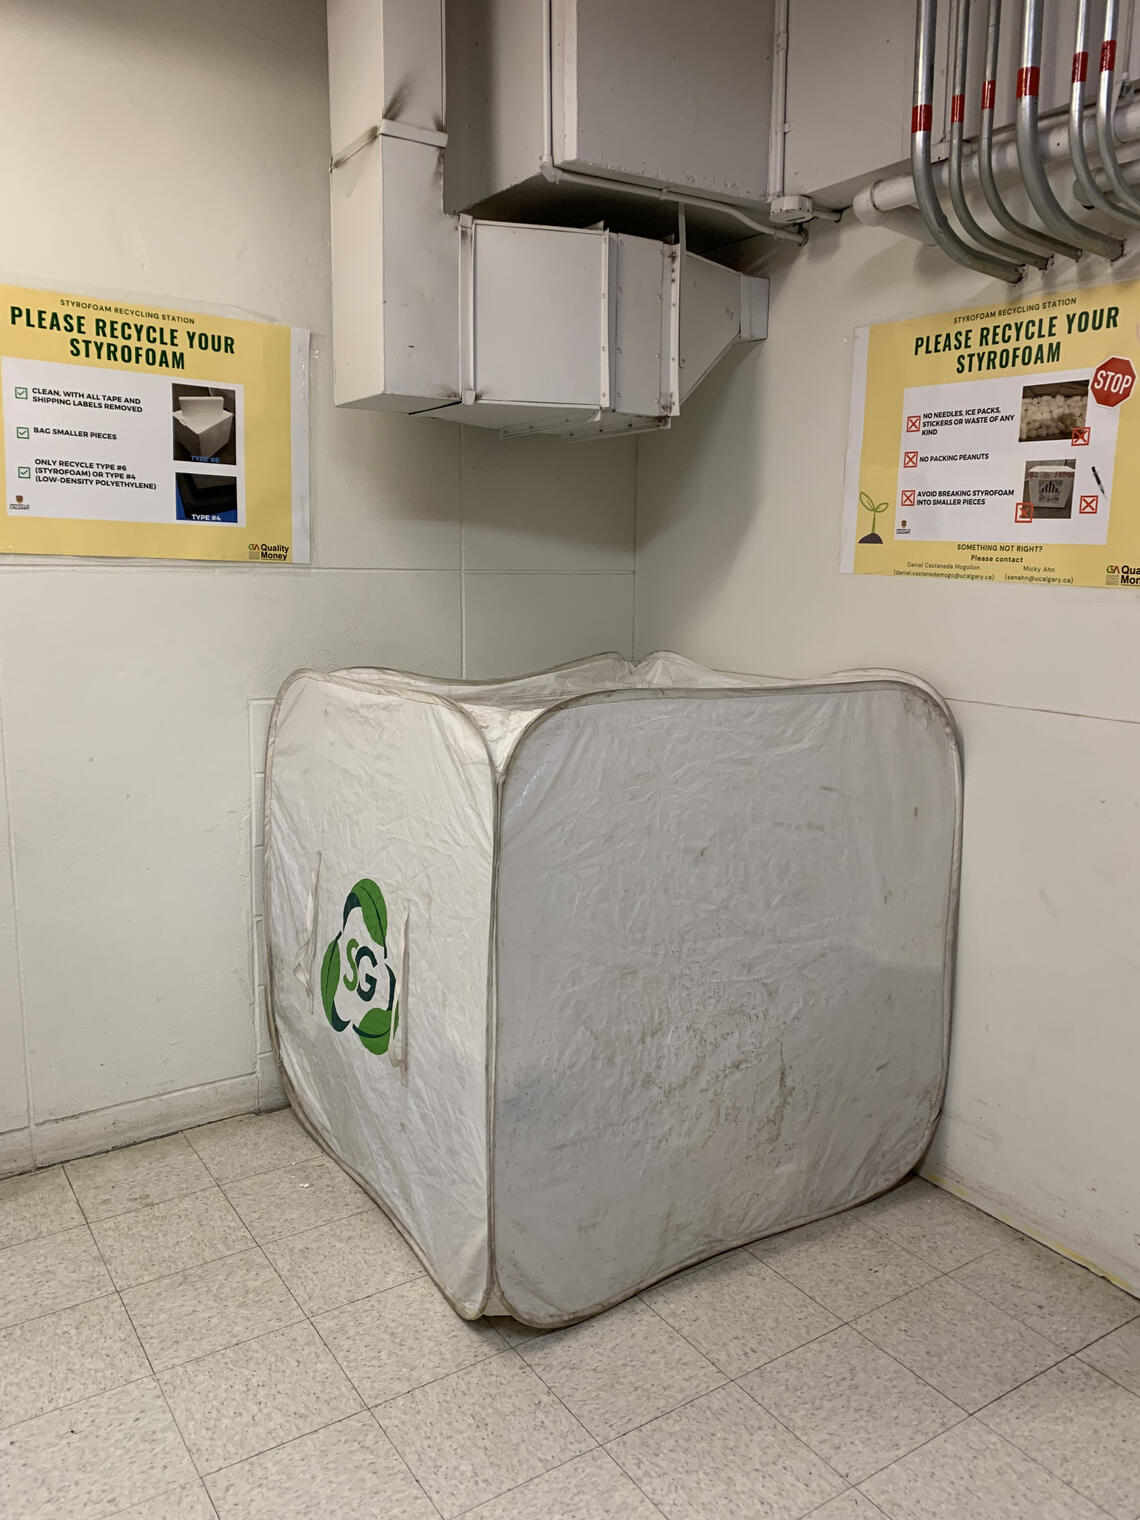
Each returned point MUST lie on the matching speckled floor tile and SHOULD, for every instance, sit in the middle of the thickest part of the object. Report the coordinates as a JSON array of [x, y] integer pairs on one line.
[[738, 1312], [234, 1148], [844, 1264], [235, 1403], [210, 1307], [934, 1225], [1081, 1427], [723, 1455], [592, 1487], [480, 1432], [38, 1203], [93, 1459], [347, 1471], [170, 1237], [296, 1198], [1118, 1356], [855, 1406], [970, 1473], [966, 1348], [620, 1369], [344, 1261], [191, 1502], [1062, 1301], [63, 1357], [403, 1337], [119, 1181], [849, 1506], [50, 1272], [514, 1332]]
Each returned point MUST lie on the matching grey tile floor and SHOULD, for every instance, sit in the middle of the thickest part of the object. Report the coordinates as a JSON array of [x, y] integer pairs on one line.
[[220, 1323]]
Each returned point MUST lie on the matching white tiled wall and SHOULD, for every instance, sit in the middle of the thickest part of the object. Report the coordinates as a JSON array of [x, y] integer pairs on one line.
[[133, 697]]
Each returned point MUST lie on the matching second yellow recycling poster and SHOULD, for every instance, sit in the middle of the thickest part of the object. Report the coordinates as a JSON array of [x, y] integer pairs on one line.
[[999, 444]]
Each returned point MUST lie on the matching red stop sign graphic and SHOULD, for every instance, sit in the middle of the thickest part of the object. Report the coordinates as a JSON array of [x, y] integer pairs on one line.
[[1113, 381]]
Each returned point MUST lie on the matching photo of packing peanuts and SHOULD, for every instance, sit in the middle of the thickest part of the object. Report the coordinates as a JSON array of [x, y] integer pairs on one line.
[[1053, 411]]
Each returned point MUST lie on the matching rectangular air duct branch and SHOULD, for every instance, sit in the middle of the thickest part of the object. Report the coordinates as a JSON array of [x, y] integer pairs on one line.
[[579, 332]]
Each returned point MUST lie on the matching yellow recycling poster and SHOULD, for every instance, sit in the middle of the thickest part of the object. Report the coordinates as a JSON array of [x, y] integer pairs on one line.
[[999, 445], [134, 431]]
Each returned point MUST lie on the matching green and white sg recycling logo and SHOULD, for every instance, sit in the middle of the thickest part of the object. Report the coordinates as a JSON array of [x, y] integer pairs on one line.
[[355, 969]]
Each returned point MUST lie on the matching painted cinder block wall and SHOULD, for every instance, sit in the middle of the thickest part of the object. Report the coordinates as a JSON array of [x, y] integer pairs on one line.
[[133, 697]]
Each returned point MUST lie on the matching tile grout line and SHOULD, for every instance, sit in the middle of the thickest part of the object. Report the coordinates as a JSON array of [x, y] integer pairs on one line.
[[507, 1350], [143, 1377], [1057, 1478], [1028, 1455], [280, 1446], [367, 1409], [514, 1488], [142, 1207], [150, 1364]]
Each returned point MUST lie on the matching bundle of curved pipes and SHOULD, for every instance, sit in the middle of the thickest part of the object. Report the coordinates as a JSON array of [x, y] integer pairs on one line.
[[1026, 151]]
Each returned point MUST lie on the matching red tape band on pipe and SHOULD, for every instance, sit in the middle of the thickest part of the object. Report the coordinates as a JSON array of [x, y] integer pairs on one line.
[[958, 108], [1080, 67], [1028, 81], [989, 94], [922, 118], [1108, 56]]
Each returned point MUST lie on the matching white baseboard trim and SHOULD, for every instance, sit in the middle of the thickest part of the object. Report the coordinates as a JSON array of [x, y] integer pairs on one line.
[[105, 1129]]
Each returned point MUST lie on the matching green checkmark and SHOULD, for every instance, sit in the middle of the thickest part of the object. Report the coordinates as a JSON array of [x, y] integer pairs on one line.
[[21, 393], [24, 472], [21, 432]]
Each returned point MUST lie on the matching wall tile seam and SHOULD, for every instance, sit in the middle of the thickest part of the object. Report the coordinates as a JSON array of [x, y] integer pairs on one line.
[[460, 477], [13, 879], [1050, 712]]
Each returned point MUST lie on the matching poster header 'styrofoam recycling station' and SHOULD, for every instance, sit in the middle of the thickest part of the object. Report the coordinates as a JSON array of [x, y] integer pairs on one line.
[[590, 975]]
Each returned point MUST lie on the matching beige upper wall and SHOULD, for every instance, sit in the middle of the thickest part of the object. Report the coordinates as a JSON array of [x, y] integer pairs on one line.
[[151, 150], [739, 521]]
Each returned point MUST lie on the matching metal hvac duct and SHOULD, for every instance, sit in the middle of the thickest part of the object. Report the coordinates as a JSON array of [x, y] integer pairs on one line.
[[575, 331]]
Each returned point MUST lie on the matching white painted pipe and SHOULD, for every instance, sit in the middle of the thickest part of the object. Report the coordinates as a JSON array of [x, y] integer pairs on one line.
[[905, 220], [777, 128], [896, 193]]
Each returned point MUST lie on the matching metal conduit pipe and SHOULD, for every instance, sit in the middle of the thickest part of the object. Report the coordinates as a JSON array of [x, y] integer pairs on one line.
[[1031, 237], [1045, 203], [969, 222], [778, 122], [1123, 194], [1090, 192], [922, 115], [897, 191], [554, 175]]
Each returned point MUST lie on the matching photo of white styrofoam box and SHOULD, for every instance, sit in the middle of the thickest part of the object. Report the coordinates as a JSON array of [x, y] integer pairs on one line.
[[202, 425]]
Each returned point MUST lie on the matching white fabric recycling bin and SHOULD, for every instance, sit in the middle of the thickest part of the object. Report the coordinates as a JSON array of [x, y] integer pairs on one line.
[[590, 975]]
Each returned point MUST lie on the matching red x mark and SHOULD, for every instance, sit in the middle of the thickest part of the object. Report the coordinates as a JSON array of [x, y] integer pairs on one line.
[[1089, 505], [914, 424], [908, 499], [910, 459], [1023, 512], [1080, 436]]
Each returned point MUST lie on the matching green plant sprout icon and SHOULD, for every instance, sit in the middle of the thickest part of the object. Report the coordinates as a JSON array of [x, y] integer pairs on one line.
[[869, 506]]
